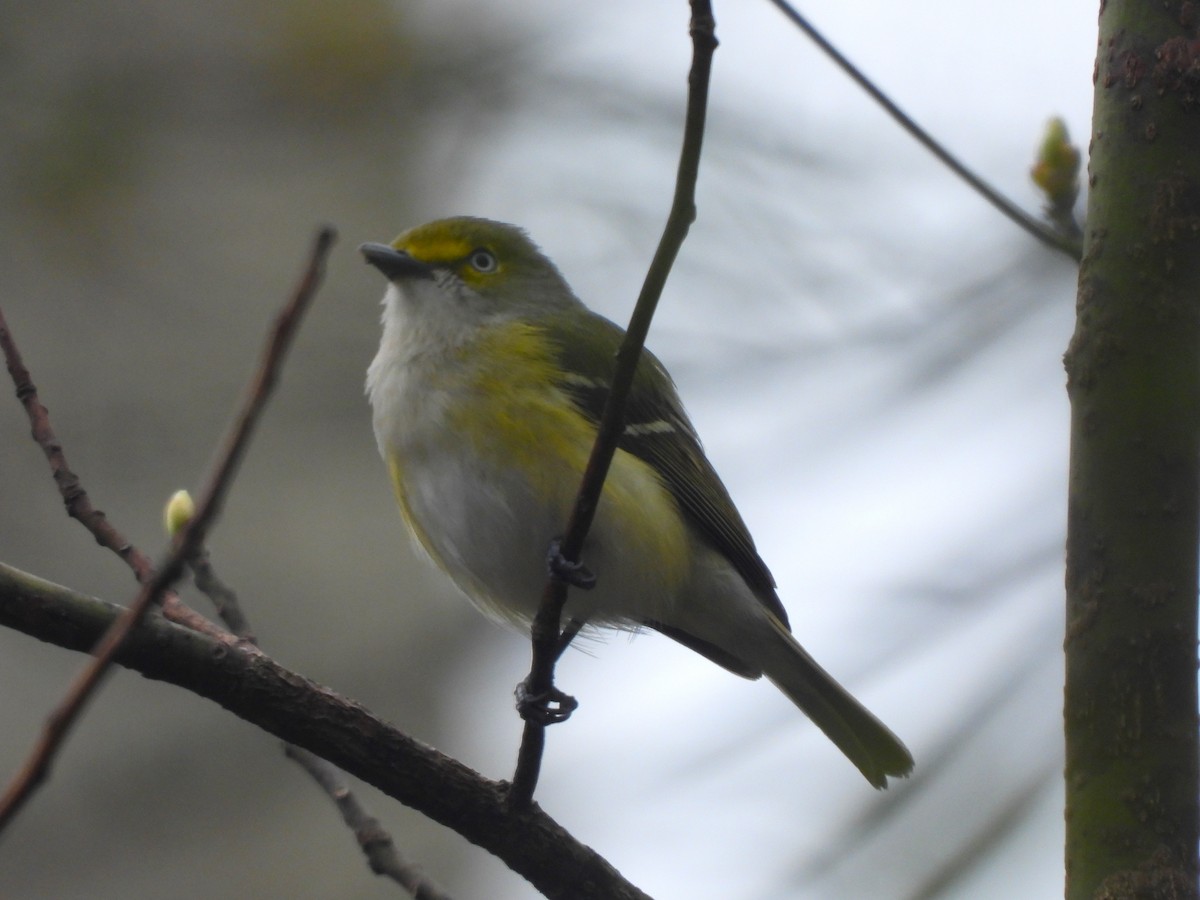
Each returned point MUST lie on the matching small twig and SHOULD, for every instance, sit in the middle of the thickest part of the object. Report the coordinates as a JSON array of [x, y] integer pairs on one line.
[[377, 845], [546, 634], [37, 765], [221, 595], [76, 500], [1047, 235]]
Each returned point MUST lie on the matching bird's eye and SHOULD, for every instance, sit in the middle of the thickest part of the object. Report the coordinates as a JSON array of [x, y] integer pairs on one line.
[[483, 261]]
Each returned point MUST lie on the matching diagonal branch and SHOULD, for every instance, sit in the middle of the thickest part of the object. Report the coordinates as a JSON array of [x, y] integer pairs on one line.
[[376, 843], [254, 687], [382, 855], [75, 497], [58, 724], [373, 839], [1064, 243], [546, 633]]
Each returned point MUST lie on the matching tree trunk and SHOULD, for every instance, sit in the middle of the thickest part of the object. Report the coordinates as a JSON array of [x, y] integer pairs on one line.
[[1133, 377]]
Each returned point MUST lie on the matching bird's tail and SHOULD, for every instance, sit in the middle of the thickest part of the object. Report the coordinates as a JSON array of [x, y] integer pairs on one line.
[[865, 740]]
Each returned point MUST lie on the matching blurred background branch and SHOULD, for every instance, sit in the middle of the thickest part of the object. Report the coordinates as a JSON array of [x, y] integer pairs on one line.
[[1063, 241]]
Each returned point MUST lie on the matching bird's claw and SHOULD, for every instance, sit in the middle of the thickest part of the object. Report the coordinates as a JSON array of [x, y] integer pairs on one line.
[[576, 574], [544, 708]]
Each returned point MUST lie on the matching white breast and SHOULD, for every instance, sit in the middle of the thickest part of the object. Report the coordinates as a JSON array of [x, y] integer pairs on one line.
[[486, 522]]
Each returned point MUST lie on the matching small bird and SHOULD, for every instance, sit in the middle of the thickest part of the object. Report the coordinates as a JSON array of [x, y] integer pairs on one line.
[[486, 393]]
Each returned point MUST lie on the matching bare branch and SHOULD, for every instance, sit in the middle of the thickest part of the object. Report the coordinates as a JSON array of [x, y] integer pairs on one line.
[[221, 595], [251, 685], [37, 765], [374, 840], [546, 632], [1064, 243], [76, 500], [377, 845]]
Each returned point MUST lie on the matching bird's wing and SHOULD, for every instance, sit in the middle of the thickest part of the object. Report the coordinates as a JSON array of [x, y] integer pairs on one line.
[[658, 432]]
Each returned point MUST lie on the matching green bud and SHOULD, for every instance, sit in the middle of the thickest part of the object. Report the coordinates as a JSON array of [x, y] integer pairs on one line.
[[178, 512], [1056, 170]]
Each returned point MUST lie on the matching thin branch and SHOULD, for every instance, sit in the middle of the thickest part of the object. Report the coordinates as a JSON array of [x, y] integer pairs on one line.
[[76, 500], [58, 724], [377, 845], [251, 685], [1047, 235], [373, 839], [221, 595], [547, 645]]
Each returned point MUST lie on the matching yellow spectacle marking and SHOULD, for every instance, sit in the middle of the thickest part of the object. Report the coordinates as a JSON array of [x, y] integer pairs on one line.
[[434, 248], [451, 245], [451, 241]]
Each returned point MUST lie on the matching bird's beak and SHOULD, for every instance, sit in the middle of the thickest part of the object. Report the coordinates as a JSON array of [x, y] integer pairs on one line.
[[394, 264]]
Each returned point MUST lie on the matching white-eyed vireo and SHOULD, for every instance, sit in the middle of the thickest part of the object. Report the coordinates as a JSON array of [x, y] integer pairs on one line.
[[487, 389]]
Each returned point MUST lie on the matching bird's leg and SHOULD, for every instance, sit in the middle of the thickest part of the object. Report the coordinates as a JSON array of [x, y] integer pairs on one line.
[[573, 627], [551, 706]]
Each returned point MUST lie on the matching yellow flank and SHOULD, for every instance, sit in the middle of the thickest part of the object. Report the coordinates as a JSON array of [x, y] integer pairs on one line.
[[514, 414], [395, 470]]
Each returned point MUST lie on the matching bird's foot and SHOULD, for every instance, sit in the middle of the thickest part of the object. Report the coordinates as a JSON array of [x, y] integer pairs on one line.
[[576, 574], [545, 707]]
